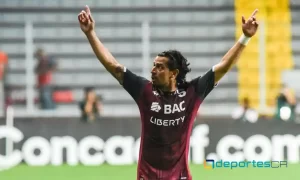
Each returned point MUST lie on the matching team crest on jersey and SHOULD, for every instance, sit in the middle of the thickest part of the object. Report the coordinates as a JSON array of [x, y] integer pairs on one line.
[[155, 93], [155, 107], [181, 93]]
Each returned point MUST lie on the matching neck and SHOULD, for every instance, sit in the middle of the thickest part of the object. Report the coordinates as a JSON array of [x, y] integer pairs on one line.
[[169, 88]]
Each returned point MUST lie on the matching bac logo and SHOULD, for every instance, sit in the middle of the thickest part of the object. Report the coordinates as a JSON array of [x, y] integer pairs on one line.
[[171, 109], [168, 108], [155, 107]]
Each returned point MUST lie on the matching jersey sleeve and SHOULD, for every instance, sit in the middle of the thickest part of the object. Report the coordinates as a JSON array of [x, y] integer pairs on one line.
[[134, 84], [203, 85]]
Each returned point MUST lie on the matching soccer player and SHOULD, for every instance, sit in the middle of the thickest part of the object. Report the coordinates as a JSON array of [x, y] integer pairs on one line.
[[168, 104]]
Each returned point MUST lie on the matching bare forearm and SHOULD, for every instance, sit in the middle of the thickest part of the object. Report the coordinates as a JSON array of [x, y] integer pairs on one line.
[[104, 56], [229, 59], [249, 28]]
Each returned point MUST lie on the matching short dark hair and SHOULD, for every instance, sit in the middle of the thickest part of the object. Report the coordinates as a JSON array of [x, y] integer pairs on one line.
[[177, 61]]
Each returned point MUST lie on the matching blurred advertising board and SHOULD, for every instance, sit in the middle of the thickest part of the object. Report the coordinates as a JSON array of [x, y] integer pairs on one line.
[[115, 141]]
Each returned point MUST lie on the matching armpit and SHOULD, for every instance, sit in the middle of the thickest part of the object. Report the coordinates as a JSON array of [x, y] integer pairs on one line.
[[119, 73]]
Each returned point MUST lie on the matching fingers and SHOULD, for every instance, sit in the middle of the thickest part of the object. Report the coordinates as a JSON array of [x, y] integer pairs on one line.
[[80, 17], [91, 18], [243, 20], [255, 23], [83, 17], [254, 13], [252, 19], [87, 10]]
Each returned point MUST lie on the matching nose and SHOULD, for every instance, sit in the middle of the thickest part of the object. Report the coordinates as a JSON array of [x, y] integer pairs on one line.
[[153, 71]]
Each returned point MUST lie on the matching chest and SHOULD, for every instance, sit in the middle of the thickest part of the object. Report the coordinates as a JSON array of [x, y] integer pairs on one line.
[[166, 118], [173, 106]]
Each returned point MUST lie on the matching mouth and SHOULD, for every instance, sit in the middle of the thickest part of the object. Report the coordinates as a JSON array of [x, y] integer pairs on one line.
[[153, 79]]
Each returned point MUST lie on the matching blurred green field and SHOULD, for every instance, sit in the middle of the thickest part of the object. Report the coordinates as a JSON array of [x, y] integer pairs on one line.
[[23, 172]]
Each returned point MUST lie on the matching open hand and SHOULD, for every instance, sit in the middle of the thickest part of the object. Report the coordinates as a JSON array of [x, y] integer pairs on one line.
[[86, 20], [250, 26]]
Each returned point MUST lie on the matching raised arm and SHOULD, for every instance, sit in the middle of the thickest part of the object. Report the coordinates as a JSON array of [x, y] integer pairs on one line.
[[249, 28], [87, 25]]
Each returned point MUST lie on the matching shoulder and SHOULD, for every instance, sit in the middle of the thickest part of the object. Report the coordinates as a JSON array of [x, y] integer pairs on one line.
[[149, 89], [189, 85]]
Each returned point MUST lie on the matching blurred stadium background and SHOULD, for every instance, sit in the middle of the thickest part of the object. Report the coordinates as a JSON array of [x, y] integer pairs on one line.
[[135, 31]]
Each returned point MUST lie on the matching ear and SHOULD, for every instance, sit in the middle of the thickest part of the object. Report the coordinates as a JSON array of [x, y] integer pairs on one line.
[[175, 73]]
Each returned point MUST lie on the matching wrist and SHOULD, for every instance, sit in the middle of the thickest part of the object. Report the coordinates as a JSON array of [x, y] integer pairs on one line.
[[90, 33], [244, 40]]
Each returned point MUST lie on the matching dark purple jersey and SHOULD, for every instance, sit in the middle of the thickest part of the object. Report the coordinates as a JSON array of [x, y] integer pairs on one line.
[[167, 120]]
